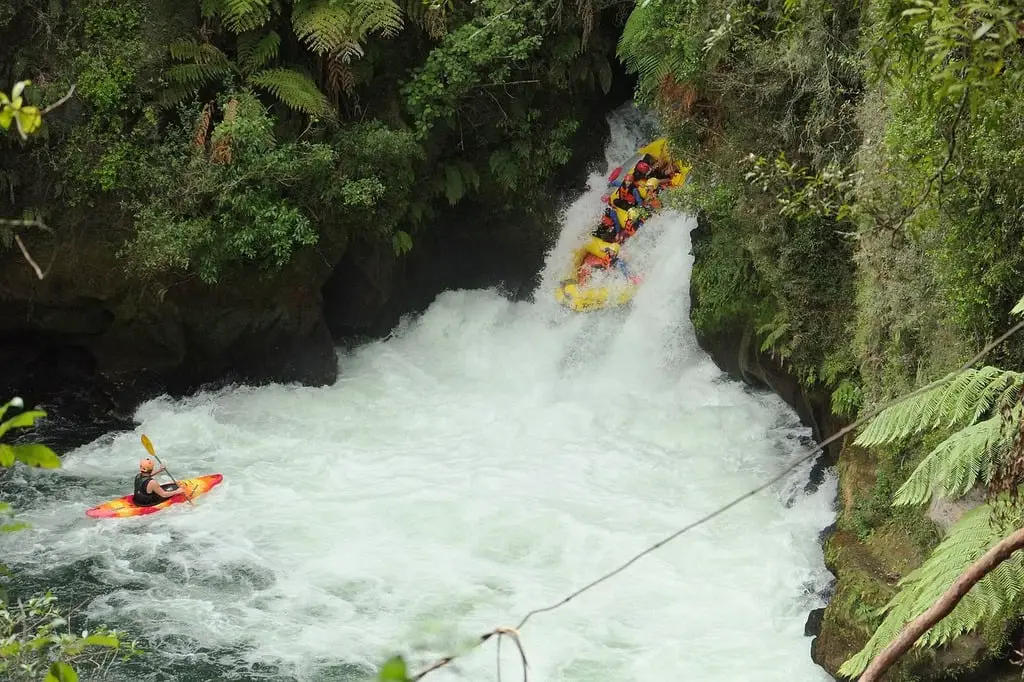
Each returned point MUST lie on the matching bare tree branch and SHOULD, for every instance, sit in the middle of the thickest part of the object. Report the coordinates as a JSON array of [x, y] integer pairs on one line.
[[16, 223], [59, 102], [944, 605], [28, 257]]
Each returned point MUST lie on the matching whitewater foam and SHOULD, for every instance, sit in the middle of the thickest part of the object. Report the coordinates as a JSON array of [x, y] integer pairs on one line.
[[488, 458]]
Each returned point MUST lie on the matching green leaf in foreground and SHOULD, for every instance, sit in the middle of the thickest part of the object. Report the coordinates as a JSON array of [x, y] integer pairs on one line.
[[61, 672], [393, 670], [21, 421], [37, 456], [109, 641]]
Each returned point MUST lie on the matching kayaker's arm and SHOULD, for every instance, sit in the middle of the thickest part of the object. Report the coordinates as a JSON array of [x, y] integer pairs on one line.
[[159, 490]]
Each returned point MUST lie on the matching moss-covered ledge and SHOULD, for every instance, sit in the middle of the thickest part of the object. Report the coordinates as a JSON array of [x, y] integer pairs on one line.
[[871, 548]]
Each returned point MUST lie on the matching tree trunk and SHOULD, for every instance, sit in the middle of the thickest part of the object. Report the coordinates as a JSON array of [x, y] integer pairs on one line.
[[943, 605]]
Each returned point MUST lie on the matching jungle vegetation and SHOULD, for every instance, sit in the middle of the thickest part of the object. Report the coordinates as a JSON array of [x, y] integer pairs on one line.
[[216, 134], [858, 167]]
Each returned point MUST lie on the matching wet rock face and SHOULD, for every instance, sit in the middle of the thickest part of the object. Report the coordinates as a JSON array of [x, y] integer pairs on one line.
[[90, 342], [97, 346], [473, 245], [735, 352], [369, 290]]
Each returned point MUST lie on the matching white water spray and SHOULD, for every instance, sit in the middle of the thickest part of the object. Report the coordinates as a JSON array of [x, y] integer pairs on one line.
[[488, 458]]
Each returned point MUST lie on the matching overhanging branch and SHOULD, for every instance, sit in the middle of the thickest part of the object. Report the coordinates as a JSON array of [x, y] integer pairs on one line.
[[943, 606]]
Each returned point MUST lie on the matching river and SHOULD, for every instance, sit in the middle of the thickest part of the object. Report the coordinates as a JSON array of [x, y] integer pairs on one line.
[[485, 459]]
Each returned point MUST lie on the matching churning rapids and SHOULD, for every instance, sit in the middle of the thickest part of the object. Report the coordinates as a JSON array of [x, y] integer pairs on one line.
[[488, 458]]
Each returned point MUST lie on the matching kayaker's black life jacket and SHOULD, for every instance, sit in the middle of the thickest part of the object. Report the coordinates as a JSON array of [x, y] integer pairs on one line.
[[142, 497]]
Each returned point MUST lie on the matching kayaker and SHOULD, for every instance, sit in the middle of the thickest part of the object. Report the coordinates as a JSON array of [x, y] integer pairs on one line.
[[147, 491]]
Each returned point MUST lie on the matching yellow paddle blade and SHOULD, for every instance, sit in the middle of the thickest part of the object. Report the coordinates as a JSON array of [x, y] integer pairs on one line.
[[146, 443]]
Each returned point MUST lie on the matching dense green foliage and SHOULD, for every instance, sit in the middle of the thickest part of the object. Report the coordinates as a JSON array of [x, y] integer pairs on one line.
[[762, 82], [216, 134], [857, 170]]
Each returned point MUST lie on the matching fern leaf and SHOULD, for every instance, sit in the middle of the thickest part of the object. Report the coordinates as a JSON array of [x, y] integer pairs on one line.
[[634, 47], [999, 592], [322, 26], [184, 49], [294, 89], [238, 16], [958, 463], [328, 27], [199, 53], [196, 75], [382, 17], [174, 93], [255, 51], [340, 76], [954, 400]]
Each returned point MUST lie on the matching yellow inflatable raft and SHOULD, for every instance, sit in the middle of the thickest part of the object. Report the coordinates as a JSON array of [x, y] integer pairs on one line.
[[586, 298]]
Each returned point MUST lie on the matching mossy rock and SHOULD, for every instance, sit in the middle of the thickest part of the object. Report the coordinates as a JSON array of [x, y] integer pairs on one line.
[[869, 553]]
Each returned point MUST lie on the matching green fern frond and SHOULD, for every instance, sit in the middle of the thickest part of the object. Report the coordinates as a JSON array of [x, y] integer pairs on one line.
[[951, 401], [255, 51], [327, 27], [175, 93], [294, 89], [382, 17], [634, 48], [324, 27], [238, 16], [184, 50], [773, 332], [200, 53], [997, 593], [959, 463], [196, 75]]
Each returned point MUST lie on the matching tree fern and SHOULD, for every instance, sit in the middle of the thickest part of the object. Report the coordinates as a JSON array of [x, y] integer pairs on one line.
[[294, 89], [955, 400], [643, 52], [996, 594], [200, 53], [958, 463], [634, 48], [207, 64], [382, 17], [255, 51], [325, 28], [196, 74], [328, 27], [238, 16]]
